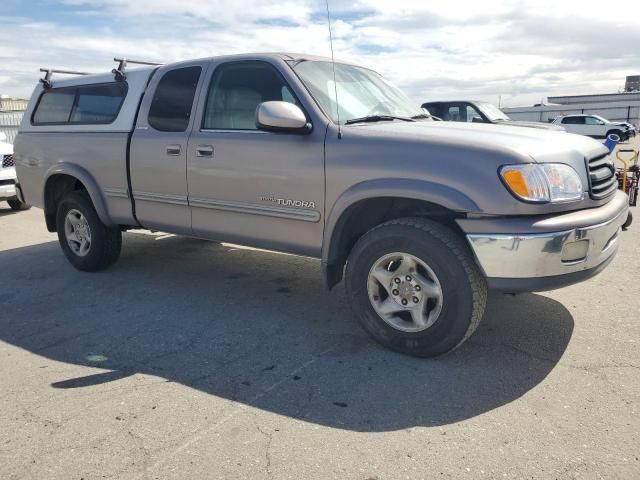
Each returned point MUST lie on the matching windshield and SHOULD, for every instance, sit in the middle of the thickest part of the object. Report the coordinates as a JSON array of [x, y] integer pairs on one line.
[[361, 92], [492, 112]]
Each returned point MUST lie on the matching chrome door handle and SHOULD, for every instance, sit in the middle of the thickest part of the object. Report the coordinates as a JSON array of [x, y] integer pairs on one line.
[[174, 150], [204, 151]]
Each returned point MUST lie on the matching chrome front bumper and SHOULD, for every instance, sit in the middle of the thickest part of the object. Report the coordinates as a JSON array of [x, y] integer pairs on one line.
[[7, 191], [543, 261]]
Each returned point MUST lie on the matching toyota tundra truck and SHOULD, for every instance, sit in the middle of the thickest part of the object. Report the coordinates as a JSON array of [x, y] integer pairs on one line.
[[299, 154]]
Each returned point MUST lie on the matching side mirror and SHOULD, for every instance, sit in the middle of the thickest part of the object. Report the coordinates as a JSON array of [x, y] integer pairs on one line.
[[477, 120], [282, 117]]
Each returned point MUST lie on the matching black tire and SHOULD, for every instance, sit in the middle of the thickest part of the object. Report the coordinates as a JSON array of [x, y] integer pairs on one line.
[[16, 204], [106, 242], [627, 223], [616, 132], [464, 288]]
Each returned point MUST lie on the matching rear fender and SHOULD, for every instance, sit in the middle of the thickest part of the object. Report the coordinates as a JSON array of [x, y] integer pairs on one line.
[[89, 183]]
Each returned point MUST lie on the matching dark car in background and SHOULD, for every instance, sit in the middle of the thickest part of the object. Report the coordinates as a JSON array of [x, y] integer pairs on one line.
[[478, 112]]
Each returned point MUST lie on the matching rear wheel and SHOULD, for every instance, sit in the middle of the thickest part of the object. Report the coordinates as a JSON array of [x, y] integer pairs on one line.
[[415, 288], [87, 243], [16, 204]]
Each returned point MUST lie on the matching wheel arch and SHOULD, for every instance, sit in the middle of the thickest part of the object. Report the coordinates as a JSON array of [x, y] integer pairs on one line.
[[63, 178], [370, 203], [617, 130]]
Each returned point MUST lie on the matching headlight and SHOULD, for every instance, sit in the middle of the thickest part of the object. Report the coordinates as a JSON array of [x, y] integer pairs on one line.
[[543, 182]]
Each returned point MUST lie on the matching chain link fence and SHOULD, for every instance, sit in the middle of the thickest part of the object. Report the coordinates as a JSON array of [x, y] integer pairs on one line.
[[11, 111], [9, 123]]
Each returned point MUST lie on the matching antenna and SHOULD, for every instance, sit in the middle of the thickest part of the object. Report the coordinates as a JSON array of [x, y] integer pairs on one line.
[[333, 66]]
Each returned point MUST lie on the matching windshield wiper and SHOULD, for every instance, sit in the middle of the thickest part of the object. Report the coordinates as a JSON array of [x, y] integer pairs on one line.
[[377, 118], [420, 116]]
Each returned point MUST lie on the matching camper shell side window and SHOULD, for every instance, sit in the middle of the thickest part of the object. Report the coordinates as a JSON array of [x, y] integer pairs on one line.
[[97, 104]]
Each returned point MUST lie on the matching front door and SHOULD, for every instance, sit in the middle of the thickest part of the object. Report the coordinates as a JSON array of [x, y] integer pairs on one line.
[[249, 186], [159, 149]]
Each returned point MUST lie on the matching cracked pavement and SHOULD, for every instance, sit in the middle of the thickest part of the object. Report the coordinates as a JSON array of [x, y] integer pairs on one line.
[[221, 362]]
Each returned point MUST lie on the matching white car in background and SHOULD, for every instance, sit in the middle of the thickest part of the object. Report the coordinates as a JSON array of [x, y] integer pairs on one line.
[[8, 176], [593, 126]]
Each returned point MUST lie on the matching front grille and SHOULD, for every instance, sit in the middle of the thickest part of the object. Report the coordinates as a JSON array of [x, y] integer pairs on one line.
[[602, 177], [7, 182], [8, 161]]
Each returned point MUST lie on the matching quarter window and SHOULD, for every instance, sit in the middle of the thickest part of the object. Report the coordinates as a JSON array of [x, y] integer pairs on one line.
[[573, 120], [436, 109], [235, 92], [172, 102], [82, 105]]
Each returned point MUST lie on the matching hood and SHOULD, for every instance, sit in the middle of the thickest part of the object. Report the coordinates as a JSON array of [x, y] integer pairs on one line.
[[541, 125], [504, 144], [540, 145]]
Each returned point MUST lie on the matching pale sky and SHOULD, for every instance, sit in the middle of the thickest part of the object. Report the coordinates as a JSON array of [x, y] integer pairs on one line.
[[521, 50]]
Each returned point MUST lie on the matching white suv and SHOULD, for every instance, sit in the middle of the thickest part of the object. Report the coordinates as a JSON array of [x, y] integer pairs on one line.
[[8, 176], [593, 126]]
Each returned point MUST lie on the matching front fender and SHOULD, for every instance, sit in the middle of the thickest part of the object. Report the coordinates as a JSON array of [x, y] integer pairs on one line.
[[434, 193], [89, 183]]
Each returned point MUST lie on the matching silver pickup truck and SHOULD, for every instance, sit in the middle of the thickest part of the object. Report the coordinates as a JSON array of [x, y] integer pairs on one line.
[[421, 218]]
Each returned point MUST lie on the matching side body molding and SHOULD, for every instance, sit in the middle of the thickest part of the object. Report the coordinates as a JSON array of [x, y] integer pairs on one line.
[[435, 193], [87, 180]]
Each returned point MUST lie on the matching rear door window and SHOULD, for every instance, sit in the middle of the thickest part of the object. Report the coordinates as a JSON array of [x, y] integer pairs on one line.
[[573, 120], [172, 102], [453, 114]]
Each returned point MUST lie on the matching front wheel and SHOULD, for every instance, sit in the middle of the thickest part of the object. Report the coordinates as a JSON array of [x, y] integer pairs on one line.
[[616, 132], [88, 244], [415, 287]]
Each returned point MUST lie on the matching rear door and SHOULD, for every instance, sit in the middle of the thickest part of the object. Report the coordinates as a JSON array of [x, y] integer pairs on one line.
[[574, 124], [159, 148]]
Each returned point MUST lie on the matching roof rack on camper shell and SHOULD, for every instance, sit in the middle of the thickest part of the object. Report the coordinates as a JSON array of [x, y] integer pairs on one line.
[[48, 73], [118, 72], [122, 65]]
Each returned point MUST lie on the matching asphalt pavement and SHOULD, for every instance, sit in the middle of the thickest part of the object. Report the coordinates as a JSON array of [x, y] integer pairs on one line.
[[191, 359]]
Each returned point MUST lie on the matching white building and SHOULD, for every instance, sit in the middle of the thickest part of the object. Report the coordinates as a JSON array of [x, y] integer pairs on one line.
[[617, 107]]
